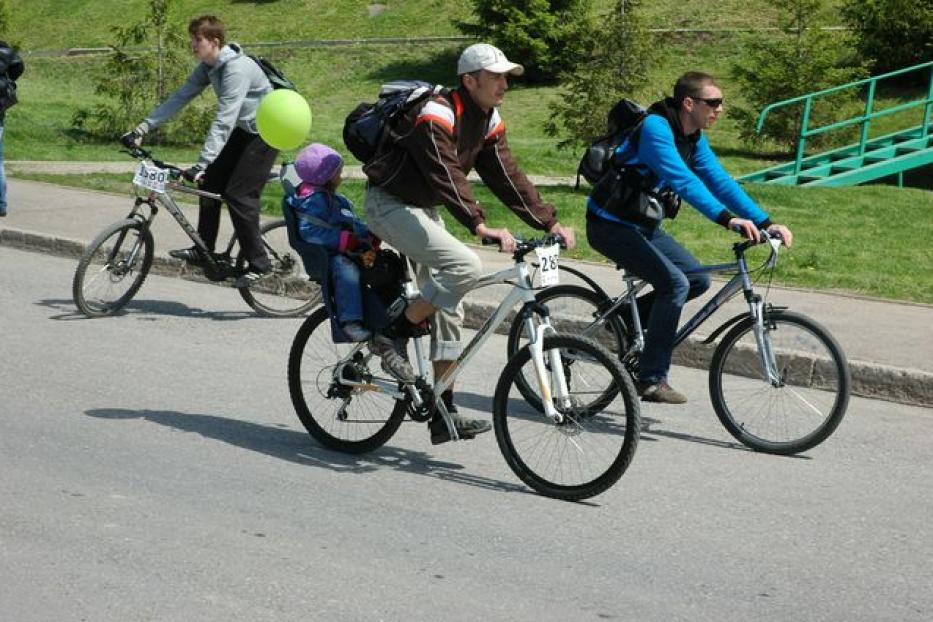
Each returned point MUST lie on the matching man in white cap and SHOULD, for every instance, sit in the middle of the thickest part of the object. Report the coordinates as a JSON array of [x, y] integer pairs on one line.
[[441, 141]]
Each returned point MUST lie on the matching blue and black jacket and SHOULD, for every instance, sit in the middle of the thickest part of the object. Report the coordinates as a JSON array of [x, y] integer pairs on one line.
[[333, 225], [684, 164]]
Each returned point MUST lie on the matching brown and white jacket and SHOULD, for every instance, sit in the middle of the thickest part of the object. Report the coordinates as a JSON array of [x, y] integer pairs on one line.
[[438, 144]]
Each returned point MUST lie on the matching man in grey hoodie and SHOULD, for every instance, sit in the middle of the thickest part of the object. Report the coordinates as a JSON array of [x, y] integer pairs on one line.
[[234, 161]]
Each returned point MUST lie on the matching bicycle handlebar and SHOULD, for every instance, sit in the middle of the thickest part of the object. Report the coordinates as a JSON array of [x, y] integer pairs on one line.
[[766, 236], [139, 153], [524, 246]]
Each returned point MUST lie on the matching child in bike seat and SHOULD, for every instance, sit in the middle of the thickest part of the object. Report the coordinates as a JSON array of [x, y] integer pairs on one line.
[[326, 218]]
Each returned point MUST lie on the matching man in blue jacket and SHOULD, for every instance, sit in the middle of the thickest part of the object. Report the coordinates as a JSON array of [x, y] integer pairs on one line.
[[668, 152]]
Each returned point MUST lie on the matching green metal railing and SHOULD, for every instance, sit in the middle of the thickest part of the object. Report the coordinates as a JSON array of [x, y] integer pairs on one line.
[[864, 119]]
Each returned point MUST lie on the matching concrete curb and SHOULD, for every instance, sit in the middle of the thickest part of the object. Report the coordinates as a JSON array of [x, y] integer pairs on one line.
[[874, 380]]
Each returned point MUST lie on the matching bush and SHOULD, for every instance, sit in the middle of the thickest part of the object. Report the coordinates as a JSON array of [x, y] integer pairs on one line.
[[546, 36], [134, 82], [892, 34], [801, 60], [618, 55]]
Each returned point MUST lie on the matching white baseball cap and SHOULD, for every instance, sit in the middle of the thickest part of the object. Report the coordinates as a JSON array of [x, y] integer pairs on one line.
[[489, 57]]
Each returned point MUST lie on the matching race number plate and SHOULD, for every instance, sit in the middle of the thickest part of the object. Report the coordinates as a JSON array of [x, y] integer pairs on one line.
[[150, 177], [548, 260]]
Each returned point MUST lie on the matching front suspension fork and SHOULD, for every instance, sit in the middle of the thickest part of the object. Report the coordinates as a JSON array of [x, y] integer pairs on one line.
[[760, 312], [553, 385]]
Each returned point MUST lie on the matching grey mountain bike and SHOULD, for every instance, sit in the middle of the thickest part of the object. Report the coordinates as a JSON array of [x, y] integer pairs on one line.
[[567, 448], [779, 382], [113, 267]]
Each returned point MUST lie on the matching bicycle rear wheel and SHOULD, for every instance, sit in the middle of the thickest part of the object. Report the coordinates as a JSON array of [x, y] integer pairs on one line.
[[591, 448], [573, 310], [286, 291], [112, 268], [351, 420], [800, 408]]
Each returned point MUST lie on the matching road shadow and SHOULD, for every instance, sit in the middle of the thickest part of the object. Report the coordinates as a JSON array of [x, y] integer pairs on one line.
[[298, 448], [651, 429], [149, 310]]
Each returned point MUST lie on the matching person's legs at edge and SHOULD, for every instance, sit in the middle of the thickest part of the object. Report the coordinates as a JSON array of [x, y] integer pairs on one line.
[[631, 248], [3, 206]]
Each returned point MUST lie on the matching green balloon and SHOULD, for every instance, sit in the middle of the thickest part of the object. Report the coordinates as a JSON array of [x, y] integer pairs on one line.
[[283, 119]]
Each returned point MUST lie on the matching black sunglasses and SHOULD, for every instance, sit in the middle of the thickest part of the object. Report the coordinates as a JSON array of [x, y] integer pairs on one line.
[[713, 102]]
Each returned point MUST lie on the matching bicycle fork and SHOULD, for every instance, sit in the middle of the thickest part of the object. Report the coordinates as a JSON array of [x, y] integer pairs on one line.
[[763, 340], [553, 385]]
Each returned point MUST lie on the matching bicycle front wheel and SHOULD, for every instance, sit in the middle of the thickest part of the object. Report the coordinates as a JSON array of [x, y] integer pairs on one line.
[[348, 419], [112, 268], [799, 408], [572, 310], [590, 449], [286, 291]]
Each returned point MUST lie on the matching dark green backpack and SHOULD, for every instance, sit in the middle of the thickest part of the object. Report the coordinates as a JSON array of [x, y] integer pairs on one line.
[[275, 75]]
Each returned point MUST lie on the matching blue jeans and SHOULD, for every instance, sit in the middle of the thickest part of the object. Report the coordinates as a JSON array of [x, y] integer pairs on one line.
[[2, 173], [658, 259], [348, 293]]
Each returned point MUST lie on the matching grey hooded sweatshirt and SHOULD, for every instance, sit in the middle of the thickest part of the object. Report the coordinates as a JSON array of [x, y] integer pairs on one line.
[[239, 83]]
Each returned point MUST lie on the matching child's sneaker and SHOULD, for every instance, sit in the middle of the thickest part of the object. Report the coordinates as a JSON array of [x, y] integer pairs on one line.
[[355, 331]]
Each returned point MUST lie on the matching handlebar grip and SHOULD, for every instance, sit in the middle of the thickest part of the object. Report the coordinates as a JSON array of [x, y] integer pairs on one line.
[[130, 140]]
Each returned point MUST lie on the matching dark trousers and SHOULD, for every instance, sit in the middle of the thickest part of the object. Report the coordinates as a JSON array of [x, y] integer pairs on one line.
[[238, 174], [658, 259]]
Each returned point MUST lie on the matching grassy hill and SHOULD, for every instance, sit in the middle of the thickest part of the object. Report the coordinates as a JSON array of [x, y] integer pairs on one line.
[[335, 79], [44, 24]]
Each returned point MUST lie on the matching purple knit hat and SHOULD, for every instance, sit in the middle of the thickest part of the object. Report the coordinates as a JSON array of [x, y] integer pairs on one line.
[[316, 164]]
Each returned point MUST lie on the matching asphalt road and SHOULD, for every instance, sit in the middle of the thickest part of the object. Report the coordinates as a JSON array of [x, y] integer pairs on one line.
[[152, 468]]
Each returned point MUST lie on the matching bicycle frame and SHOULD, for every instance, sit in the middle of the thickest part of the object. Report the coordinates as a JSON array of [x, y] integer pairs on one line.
[[553, 389], [739, 281], [154, 199]]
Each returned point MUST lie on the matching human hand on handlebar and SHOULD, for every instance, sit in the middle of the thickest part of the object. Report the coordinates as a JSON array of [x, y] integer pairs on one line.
[[782, 231], [194, 174], [745, 228], [565, 232], [132, 140], [502, 236]]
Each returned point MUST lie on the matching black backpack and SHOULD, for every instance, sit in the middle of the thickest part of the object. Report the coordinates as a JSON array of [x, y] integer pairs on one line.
[[275, 75], [364, 129], [623, 120], [11, 68]]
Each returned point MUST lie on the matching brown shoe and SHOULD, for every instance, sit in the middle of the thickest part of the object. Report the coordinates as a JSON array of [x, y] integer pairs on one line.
[[660, 392]]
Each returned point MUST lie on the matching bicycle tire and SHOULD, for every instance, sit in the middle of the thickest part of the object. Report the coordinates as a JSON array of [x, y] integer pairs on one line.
[[815, 380], [531, 442], [115, 281], [311, 362], [286, 291], [571, 307]]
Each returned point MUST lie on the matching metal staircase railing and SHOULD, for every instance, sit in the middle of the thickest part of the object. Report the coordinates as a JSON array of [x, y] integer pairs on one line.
[[802, 163]]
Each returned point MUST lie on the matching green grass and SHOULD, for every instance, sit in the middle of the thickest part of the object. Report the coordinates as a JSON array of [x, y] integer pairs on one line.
[[883, 252], [335, 80], [80, 23], [868, 239]]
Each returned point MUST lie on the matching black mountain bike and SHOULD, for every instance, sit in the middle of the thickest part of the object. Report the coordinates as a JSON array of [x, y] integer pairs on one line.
[[115, 264], [779, 382]]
